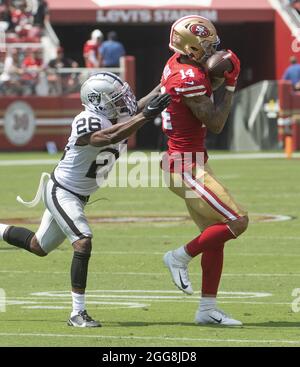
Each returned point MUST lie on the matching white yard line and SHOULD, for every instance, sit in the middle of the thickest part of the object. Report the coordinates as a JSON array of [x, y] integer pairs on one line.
[[129, 301], [28, 162], [155, 338]]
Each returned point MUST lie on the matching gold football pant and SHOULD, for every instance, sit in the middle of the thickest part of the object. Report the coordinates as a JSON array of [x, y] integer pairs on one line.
[[207, 199]]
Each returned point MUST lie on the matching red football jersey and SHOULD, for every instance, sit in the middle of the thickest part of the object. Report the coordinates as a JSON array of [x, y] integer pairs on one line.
[[185, 132], [91, 52]]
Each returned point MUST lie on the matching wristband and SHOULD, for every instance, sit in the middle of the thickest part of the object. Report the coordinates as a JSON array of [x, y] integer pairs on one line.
[[230, 88]]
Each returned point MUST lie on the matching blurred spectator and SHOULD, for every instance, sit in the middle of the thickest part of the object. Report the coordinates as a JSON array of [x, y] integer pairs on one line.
[[2, 62], [292, 73], [5, 16], [111, 51], [295, 4], [40, 12], [91, 49], [10, 79], [21, 18], [61, 82], [32, 65], [2, 59]]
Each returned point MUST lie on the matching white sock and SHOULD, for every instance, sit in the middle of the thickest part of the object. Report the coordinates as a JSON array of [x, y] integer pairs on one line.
[[2, 229], [181, 254], [78, 302], [207, 303]]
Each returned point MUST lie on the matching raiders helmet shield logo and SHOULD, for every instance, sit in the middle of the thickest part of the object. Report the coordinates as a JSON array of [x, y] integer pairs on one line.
[[94, 98], [200, 30]]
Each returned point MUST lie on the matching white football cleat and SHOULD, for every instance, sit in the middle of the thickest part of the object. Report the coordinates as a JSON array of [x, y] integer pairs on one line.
[[82, 319], [215, 316], [179, 273]]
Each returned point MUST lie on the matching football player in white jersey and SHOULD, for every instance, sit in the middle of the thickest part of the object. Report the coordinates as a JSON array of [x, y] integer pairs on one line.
[[95, 130]]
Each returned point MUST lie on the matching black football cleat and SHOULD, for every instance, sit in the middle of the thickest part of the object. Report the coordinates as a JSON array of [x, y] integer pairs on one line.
[[82, 319]]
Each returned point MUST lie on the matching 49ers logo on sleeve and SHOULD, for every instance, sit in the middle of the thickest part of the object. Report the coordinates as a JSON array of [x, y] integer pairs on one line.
[[200, 30]]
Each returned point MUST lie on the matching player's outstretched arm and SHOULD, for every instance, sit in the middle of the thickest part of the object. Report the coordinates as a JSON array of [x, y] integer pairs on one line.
[[122, 131]]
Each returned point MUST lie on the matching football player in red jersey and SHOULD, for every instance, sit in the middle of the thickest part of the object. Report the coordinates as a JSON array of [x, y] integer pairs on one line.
[[191, 112], [91, 49]]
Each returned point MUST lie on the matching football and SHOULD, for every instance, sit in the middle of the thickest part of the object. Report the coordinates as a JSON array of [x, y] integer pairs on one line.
[[218, 63]]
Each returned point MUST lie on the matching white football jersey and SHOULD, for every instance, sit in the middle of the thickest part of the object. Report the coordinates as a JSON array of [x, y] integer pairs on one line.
[[80, 166]]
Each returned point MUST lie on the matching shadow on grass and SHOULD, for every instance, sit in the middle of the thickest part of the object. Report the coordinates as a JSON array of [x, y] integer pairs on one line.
[[268, 324], [149, 323], [45, 321], [275, 324]]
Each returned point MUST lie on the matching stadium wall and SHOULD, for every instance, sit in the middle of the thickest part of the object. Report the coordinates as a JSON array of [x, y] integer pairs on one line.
[[285, 45]]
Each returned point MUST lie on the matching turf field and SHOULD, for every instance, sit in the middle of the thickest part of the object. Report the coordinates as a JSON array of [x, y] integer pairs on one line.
[[130, 290]]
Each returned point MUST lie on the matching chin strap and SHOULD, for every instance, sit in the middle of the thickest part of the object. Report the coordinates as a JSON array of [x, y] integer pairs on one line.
[[30, 204]]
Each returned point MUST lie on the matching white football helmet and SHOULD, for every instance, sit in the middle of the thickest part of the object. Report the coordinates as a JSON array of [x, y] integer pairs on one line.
[[107, 94]]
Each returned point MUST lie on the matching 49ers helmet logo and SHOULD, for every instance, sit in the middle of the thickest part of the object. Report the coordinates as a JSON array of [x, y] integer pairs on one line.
[[200, 30]]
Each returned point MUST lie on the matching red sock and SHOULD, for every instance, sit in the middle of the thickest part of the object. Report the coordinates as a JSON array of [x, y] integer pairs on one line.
[[211, 238], [212, 265]]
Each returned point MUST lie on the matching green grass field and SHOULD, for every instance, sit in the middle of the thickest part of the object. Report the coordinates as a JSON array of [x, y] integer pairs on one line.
[[130, 290]]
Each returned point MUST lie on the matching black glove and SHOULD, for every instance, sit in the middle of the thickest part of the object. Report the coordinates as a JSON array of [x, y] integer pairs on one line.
[[156, 105]]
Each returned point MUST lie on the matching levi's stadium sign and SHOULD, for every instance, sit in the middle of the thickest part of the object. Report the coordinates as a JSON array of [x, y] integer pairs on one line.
[[150, 16]]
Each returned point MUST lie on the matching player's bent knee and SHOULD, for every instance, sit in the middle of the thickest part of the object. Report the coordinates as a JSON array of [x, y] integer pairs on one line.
[[239, 225], [36, 248], [244, 223], [83, 245]]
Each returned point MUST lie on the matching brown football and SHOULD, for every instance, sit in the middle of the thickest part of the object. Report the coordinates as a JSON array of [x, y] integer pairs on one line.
[[218, 63]]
